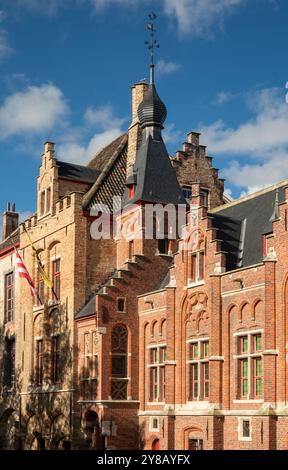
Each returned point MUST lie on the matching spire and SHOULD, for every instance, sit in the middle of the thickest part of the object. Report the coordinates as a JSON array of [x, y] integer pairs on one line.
[[152, 111], [275, 215], [152, 44]]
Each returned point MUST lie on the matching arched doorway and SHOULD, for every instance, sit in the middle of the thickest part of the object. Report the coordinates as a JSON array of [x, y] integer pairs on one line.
[[193, 439], [92, 430], [156, 444], [8, 425]]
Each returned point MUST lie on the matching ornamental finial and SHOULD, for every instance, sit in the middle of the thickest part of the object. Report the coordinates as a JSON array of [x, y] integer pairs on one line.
[[152, 44]]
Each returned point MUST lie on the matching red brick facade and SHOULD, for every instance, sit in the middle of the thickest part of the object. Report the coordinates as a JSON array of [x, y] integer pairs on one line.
[[190, 360]]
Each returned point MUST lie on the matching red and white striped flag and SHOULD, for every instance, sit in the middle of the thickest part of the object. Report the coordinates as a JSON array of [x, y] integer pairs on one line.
[[22, 271]]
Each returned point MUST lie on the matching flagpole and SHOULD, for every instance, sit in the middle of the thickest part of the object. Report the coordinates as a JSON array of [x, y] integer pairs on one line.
[[36, 290], [45, 278]]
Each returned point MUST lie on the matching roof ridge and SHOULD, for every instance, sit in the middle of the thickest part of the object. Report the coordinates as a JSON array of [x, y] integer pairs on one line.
[[250, 196]]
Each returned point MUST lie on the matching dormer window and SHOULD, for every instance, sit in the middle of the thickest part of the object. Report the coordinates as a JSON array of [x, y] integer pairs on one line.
[[187, 191], [204, 193]]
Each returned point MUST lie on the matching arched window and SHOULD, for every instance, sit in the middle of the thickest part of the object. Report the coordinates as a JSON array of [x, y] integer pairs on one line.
[[119, 363]]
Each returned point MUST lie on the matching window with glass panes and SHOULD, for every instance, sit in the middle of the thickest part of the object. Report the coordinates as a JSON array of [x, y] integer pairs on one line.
[[249, 360], [197, 266], [198, 369], [86, 367], [156, 369], [55, 369], [56, 278], [9, 363], [94, 377], [9, 297], [40, 285], [119, 365], [39, 362]]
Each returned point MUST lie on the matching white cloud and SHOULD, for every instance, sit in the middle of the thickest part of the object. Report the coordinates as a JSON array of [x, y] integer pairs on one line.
[[103, 117], [172, 135], [265, 132], [197, 17], [5, 48], [264, 138], [34, 110], [80, 153], [76, 147], [224, 97], [166, 68]]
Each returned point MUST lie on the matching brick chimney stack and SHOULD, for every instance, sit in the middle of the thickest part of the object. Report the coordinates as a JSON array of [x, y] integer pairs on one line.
[[135, 133], [10, 220]]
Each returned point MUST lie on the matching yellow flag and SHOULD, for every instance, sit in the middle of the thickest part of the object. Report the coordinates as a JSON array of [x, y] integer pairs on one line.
[[44, 276]]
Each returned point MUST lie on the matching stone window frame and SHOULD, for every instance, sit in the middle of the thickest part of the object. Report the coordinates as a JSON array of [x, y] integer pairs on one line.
[[157, 365], [153, 428], [241, 420], [200, 361], [44, 205], [250, 355], [198, 280]]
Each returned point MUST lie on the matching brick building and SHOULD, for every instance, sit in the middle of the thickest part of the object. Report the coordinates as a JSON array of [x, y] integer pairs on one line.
[[151, 338]]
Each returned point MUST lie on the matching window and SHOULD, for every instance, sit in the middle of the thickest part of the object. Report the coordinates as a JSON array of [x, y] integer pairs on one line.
[[187, 192], [40, 284], [131, 191], [198, 370], [119, 380], [45, 201], [90, 369], [56, 278], [163, 246], [39, 362], [204, 194], [121, 304], [94, 377], [55, 359], [42, 203], [48, 199], [244, 429], [195, 444], [86, 368], [9, 297], [9, 364], [156, 367], [249, 359], [197, 266], [154, 424]]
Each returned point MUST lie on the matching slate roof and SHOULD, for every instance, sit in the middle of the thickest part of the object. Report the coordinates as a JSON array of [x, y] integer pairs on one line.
[[99, 161], [77, 172], [244, 222], [111, 182], [156, 180], [88, 309]]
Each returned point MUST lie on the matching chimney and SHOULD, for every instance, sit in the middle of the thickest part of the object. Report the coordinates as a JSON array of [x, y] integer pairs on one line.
[[135, 132], [193, 138], [10, 221]]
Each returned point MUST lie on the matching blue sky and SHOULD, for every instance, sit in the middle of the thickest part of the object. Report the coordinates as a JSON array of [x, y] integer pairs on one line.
[[66, 67]]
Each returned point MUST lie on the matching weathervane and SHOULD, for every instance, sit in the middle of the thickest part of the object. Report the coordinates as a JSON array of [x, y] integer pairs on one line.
[[152, 44]]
